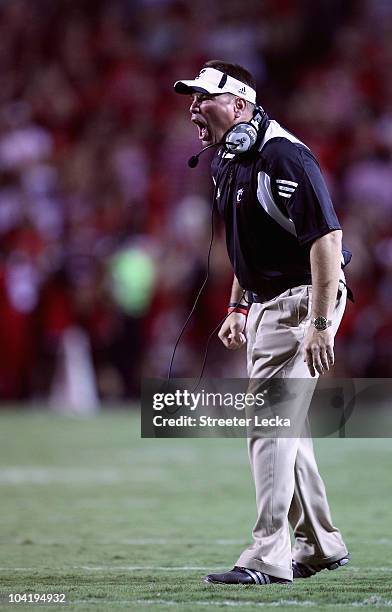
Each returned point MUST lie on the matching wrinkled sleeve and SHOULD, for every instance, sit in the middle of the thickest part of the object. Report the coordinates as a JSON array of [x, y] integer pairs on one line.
[[299, 190]]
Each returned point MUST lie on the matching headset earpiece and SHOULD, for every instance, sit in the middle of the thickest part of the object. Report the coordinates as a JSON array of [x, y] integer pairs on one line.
[[242, 137]]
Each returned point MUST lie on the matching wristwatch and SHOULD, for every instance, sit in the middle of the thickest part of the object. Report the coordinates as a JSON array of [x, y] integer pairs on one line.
[[321, 323]]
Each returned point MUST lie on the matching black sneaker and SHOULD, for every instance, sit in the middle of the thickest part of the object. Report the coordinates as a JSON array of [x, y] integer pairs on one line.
[[304, 570], [243, 575]]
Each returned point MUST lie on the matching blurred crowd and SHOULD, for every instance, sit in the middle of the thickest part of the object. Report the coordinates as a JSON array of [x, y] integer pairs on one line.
[[104, 230]]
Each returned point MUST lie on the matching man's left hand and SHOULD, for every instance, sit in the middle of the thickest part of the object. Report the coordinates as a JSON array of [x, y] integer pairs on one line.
[[318, 350]]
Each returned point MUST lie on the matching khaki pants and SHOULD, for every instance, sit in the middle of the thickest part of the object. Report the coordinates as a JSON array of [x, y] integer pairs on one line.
[[288, 485]]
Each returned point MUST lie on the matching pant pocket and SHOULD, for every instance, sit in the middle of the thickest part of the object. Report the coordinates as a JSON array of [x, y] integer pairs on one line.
[[294, 307], [304, 305]]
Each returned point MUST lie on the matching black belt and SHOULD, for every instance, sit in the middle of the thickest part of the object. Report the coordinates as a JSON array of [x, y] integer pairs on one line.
[[270, 295], [266, 296]]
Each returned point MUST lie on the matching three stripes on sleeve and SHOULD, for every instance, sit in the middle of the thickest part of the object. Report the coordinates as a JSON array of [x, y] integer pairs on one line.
[[286, 188]]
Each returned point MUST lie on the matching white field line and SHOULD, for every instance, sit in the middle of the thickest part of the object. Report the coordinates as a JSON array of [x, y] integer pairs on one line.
[[374, 602], [191, 568], [225, 602], [160, 568], [155, 541], [370, 569], [136, 568], [18, 569], [125, 541], [114, 568], [165, 541], [43, 476]]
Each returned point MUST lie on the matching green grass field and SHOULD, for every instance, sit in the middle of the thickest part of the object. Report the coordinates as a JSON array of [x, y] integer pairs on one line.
[[90, 509]]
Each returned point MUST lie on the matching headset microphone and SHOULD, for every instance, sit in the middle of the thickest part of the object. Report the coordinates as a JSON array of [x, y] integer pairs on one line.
[[194, 160]]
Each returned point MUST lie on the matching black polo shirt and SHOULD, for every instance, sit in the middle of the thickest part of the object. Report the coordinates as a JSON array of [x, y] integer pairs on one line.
[[274, 203]]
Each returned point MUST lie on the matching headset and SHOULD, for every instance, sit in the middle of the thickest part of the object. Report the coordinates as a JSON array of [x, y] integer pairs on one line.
[[240, 138], [243, 137]]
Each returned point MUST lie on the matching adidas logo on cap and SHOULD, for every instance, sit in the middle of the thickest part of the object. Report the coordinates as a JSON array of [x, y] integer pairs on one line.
[[242, 90]]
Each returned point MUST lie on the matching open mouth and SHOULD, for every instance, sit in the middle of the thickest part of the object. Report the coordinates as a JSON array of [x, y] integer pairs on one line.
[[204, 133]]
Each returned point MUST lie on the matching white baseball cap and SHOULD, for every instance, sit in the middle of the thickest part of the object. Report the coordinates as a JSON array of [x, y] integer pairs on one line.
[[212, 81]]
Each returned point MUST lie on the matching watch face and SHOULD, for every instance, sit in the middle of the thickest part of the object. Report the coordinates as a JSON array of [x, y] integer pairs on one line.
[[320, 323]]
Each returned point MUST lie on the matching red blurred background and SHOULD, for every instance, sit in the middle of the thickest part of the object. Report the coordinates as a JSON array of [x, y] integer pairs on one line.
[[104, 229]]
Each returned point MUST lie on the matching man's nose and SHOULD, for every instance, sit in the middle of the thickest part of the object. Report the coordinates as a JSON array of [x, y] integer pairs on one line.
[[194, 105]]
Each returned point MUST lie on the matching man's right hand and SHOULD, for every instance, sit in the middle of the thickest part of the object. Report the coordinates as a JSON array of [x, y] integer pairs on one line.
[[232, 331]]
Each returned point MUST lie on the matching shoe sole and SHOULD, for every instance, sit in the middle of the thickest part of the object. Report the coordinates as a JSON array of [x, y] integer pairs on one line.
[[246, 584], [333, 566], [208, 581]]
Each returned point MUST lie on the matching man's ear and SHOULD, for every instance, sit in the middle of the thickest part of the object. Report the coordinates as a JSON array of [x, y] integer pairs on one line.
[[239, 106]]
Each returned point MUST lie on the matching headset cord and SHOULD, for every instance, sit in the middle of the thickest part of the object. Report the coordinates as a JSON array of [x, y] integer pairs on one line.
[[214, 199], [200, 290], [210, 338], [171, 412]]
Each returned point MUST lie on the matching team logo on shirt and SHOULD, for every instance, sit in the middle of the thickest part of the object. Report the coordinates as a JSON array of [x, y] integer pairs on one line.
[[286, 188], [240, 193]]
